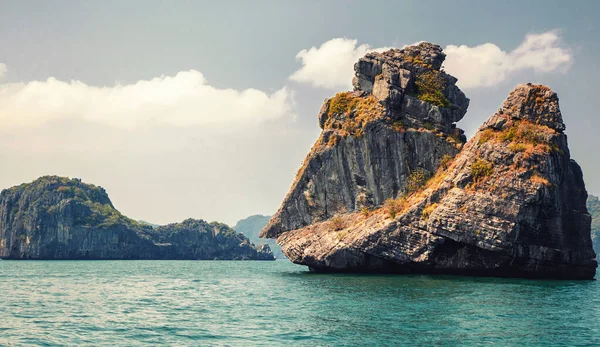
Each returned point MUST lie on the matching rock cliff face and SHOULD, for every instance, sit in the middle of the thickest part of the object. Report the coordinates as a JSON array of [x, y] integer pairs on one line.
[[59, 218], [412, 199], [375, 137]]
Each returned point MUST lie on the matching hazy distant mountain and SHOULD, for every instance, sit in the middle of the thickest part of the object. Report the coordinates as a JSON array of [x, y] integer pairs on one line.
[[593, 205], [252, 226]]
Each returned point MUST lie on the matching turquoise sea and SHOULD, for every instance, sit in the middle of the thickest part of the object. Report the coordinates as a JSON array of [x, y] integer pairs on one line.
[[228, 303]]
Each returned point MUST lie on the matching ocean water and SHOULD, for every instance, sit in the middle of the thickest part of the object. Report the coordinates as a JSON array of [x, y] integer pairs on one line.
[[227, 303]]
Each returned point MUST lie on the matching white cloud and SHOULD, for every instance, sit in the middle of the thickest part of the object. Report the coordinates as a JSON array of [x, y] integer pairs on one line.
[[182, 100], [2, 70], [331, 64], [486, 64]]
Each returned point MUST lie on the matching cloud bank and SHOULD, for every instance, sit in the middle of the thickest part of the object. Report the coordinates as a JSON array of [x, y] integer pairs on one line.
[[331, 65], [486, 64], [186, 99], [181, 100]]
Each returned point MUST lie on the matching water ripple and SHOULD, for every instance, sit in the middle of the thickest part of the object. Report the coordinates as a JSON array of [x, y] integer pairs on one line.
[[191, 303]]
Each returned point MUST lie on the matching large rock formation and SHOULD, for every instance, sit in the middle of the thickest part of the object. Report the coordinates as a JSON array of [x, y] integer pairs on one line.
[[374, 137], [404, 199], [60, 218]]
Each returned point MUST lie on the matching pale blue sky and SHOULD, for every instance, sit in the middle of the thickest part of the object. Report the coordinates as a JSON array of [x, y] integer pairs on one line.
[[228, 171]]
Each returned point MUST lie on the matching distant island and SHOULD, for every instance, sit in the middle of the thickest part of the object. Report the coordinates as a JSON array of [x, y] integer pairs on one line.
[[593, 206], [251, 227], [60, 218], [392, 185]]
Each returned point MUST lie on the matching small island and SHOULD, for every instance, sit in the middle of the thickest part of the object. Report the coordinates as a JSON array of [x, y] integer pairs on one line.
[[391, 185], [60, 218]]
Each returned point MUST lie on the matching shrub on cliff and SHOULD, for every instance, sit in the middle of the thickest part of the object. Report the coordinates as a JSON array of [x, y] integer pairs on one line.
[[394, 207], [350, 113], [428, 209], [63, 189], [522, 136], [416, 180], [337, 223], [481, 168], [430, 88]]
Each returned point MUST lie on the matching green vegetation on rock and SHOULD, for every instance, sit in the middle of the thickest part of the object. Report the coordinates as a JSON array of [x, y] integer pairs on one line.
[[522, 136], [416, 180], [430, 88], [481, 168], [55, 194], [351, 113]]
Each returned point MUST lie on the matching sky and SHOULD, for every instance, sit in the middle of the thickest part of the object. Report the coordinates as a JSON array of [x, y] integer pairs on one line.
[[206, 109]]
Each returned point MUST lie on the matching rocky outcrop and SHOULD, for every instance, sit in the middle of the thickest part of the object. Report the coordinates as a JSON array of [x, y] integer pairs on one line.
[[59, 218], [410, 83], [510, 202], [375, 137]]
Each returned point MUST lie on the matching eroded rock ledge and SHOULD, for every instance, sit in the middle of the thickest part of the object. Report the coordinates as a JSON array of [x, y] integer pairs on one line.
[[396, 190]]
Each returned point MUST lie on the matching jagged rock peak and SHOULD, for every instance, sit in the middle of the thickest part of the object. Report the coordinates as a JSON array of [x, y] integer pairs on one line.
[[403, 88], [535, 103], [423, 54], [411, 82]]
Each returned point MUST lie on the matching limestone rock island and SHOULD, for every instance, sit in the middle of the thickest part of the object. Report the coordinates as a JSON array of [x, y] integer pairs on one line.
[[391, 185], [60, 218]]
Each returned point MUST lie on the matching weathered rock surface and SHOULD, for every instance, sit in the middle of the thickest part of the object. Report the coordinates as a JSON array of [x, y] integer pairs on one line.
[[394, 78], [511, 202], [370, 146], [59, 218]]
